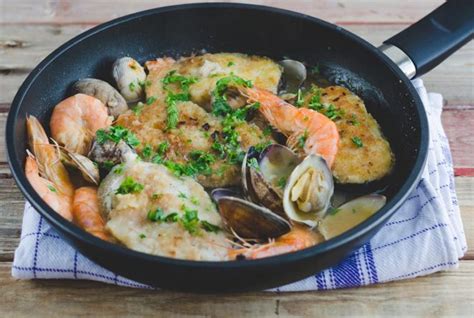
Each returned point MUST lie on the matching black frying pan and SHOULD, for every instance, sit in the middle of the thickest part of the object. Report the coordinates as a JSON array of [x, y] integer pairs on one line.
[[344, 59]]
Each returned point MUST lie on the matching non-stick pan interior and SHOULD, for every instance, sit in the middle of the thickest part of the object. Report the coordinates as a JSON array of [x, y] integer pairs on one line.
[[343, 58]]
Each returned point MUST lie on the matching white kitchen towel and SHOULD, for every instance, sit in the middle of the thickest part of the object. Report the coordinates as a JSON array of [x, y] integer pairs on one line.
[[424, 236]]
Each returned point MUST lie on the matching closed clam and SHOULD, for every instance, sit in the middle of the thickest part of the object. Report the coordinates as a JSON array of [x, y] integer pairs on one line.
[[308, 191], [129, 76], [104, 92], [248, 220]]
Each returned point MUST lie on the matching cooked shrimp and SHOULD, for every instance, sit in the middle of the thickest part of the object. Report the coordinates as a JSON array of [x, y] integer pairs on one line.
[[47, 190], [76, 119], [305, 128], [298, 238], [47, 158], [86, 211]]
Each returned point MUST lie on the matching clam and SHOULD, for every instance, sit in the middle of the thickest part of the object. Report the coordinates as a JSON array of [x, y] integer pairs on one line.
[[265, 174], [129, 76], [104, 92], [350, 214], [248, 220], [111, 153], [88, 169], [308, 191], [294, 74]]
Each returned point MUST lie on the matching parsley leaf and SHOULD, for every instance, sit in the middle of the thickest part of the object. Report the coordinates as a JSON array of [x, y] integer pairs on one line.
[[115, 134], [150, 100], [281, 183], [190, 220], [299, 98], [357, 141], [173, 98], [51, 188], [129, 186], [302, 139], [220, 107], [208, 227]]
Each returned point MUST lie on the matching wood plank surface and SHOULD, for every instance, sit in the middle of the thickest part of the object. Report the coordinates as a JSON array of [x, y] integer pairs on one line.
[[340, 11], [444, 294], [23, 47], [31, 29]]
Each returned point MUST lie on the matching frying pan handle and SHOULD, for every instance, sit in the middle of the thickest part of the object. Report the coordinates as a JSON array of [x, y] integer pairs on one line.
[[428, 42]]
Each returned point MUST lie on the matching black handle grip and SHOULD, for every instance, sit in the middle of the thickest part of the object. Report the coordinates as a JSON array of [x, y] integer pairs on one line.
[[435, 37]]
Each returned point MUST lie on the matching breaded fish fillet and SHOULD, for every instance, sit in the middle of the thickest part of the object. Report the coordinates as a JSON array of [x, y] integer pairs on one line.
[[209, 68], [364, 154], [128, 221], [196, 130]]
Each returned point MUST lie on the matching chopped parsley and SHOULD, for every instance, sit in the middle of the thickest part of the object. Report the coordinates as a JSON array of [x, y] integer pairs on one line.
[[129, 186], [190, 220], [261, 146], [142, 236], [182, 195], [156, 196], [194, 200], [299, 98], [51, 188], [315, 100], [357, 141], [173, 98], [281, 183], [163, 147], [115, 134], [132, 86], [353, 121], [137, 109], [158, 215], [108, 164], [147, 151], [208, 227], [119, 169], [333, 113], [333, 211], [150, 100], [220, 107], [231, 63], [302, 139], [253, 163], [267, 131]]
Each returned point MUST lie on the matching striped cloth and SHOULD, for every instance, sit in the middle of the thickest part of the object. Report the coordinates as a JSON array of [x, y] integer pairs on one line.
[[424, 236]]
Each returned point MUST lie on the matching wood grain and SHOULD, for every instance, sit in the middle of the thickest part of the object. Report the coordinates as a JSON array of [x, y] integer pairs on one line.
[[22, 47], [439, 295], [340, 11]]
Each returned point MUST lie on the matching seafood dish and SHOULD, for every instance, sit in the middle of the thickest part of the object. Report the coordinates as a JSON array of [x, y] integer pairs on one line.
[[212, 157]]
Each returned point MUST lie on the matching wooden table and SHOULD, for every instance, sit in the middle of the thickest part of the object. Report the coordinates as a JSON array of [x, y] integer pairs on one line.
[[30, 29]]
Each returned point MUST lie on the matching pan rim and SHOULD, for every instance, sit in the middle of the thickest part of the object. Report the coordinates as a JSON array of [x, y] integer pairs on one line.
[[78, 234]]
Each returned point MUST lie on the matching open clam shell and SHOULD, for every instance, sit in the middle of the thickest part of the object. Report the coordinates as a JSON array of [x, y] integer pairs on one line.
[[248, 220], [350, 214], [264, 179], [308, 191], [89, 170]]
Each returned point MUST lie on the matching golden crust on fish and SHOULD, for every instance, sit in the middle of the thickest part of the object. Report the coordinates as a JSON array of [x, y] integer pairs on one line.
[[209, 68], [195, 131], [127, 215], [353, 164]]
